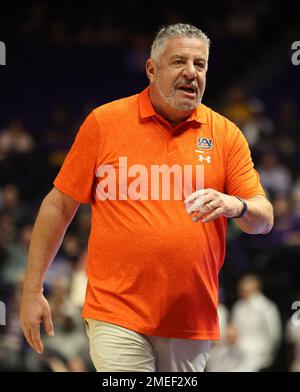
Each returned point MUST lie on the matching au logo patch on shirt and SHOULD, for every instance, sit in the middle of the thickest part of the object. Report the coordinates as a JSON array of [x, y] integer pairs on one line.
[[204, 143]]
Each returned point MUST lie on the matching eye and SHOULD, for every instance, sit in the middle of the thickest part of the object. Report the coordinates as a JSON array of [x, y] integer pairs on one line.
[[200, 65], [177, 61]]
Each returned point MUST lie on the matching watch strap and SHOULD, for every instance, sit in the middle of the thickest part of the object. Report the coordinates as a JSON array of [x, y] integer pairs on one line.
[[244, 209]]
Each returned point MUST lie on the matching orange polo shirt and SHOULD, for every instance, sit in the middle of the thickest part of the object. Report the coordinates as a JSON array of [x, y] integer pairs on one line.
[[150, 268]]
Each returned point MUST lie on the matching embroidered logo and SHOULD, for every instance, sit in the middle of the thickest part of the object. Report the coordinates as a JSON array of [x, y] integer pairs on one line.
[[206, 158], [204, 143]]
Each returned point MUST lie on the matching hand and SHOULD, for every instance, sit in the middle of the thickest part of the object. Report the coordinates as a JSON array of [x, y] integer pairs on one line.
[[35, 310], [213, 204]]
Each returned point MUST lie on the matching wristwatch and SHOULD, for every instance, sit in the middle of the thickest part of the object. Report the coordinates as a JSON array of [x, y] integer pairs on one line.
[[244, 209]]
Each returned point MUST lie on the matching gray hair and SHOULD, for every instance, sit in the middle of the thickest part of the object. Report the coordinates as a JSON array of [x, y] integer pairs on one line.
[[173, 31]]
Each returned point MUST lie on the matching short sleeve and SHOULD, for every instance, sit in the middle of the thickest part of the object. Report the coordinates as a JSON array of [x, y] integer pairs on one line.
[[241, 177], [77, 174]]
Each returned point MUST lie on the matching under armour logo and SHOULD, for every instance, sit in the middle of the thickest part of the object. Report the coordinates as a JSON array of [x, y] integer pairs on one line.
[[205, 158]]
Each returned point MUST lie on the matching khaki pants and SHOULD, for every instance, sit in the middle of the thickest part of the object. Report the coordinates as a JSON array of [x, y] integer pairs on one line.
[[117, 349]]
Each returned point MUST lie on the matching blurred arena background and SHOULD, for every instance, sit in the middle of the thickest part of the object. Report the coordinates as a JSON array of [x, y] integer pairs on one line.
[[65, 59]]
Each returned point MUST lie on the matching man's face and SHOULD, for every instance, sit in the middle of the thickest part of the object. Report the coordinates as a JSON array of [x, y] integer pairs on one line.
[[179, 78]]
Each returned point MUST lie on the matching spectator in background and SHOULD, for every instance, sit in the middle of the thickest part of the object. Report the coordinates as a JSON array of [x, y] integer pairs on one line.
[[292, 335], [229, 355], [65, 260], [79, 282], [32, 28], [9, 197], [11, 338], [7, 229], [286, 230], [56, 137], [288, 123], [218, 345], [223, 315], [295, 196], [237, 108], [83, 224], [258, 324], [15, 139], [223, 319], [10, 203], [68, 349], [287, 133], [258, 127], [242, 20], [274, 175], [14, 265]]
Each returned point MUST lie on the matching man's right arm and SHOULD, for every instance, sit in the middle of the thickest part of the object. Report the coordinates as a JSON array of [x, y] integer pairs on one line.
[[56, 213]]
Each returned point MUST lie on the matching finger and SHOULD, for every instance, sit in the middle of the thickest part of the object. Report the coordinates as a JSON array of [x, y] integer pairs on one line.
[[190, 198], [48, 324], [196, 218], [201, 212], [214, 215], [197, 204], [27, 335], [36, 338], [210, 206], [202, 202], [195, 195]]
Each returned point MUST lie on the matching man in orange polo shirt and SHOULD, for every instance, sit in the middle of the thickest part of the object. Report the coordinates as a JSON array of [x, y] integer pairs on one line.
[[162, 173]]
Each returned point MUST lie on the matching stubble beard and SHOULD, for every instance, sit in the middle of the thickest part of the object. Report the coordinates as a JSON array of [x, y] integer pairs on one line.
[[173, 102]]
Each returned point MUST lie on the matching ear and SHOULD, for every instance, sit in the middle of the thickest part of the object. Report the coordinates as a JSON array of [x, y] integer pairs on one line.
[[150, 69]]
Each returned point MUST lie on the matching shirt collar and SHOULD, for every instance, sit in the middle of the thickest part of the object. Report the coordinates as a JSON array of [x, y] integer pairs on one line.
[[147, 110]]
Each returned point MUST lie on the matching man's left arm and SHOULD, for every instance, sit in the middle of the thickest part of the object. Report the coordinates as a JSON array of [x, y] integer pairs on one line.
[[206, 205], [258, 218]]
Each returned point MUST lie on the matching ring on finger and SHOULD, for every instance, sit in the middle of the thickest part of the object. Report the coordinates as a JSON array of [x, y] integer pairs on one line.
[[211, 205]]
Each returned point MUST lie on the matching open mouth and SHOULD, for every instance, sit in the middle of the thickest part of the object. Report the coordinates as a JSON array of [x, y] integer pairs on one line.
[[188, 90]]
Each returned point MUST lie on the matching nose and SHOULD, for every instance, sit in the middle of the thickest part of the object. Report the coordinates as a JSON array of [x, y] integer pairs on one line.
[[189, 71]]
